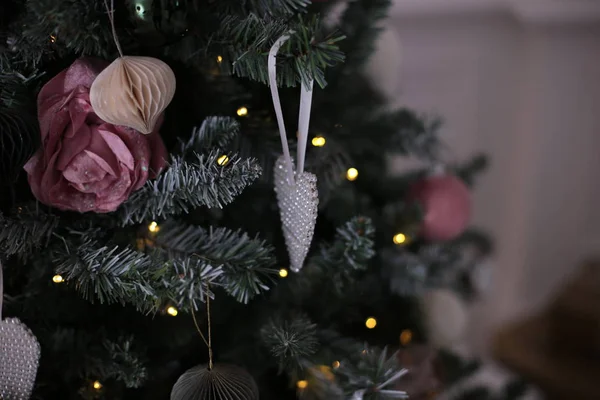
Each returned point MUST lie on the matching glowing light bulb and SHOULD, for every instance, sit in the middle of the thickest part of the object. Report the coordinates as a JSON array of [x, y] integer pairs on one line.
[[283, 272], [302, 384], [57, 279], [371, 323], [153, 227], [406, 337], [172, 311], [242, 111], [336, 364], [352, 174], [97, 385], [223, 160], [139, 9], [318, 141], [219, 59], [400, 238], [52, 38]]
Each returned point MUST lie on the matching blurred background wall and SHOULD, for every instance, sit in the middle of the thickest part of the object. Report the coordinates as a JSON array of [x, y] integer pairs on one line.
[[519, 81]]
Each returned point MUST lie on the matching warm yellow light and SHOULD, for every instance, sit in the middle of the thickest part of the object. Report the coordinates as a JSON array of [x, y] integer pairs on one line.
[[172, 311], [219, 59], [399, 238], [302, 384], [57, 279], [242, 111], [283, 272], [406, 337], [352, 174], [318, 141], [371, 323], [53, 38], [326, 372], [223, 160], [336, 364], [97, 385], [153, 227]]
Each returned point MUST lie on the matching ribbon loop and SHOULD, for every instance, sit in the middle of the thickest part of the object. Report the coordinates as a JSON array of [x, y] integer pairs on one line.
[[303, 116]]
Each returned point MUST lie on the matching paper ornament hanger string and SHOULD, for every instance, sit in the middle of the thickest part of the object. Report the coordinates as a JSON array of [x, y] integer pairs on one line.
[[209, 341], [303, 117], [111, 17]]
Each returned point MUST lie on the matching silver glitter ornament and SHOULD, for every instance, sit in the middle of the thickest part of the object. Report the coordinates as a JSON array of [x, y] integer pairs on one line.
[[298, 207], [222, 382], [19, 358]]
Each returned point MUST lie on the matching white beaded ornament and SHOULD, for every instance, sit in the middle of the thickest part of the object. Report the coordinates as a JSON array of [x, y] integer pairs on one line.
[[19, 357], [297, 194], [298, 206]]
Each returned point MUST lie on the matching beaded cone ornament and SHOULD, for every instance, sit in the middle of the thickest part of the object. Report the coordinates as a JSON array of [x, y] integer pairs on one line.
[[19, 357], [298, 206], [296, 191]]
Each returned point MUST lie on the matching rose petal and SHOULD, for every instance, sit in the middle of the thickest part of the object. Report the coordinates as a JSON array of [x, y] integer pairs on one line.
[[118, 148], [86, 167]]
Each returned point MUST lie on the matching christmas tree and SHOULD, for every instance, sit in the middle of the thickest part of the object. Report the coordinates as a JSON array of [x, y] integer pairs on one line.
[[140, 232]]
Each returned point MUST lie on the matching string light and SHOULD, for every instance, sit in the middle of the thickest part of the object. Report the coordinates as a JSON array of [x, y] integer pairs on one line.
[[371, 323], [52, 38], [352, 174], [406, 337], [57, 279], [172, 311], [219, 59], [336, 364], [318, 141], [302, 384], [400, 238], [139, 9], [242, 111], [223, 160], [153, 227], [97, 385], [326, 372], [283, 272]]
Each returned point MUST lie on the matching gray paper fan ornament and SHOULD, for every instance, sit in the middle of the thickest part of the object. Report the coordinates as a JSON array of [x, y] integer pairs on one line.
[[298, 206], [222, 382], [19, 357]]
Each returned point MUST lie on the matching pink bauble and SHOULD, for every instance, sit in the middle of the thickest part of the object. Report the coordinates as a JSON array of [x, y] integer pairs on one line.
[[446, 203]]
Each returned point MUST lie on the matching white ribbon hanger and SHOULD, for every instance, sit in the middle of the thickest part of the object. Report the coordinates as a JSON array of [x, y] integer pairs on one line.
[[304, 115]]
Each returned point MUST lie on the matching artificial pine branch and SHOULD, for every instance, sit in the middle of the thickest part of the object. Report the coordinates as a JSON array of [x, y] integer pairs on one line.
[[24, 232], [187, 185], [246, 263], [290, 341], [304, 56], [214, 132]]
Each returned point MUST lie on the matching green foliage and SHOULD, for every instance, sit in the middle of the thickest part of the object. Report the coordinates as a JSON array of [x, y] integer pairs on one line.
[[374, 373], [187, 185], [26, 231], [122, 363], [272, 7], [290, 341], [303, 57], [245, 264], [214, 132], [352, 247], [70, 26]]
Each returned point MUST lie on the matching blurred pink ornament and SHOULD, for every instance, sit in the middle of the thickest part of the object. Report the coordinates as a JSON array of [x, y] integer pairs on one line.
[[446, 203]]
